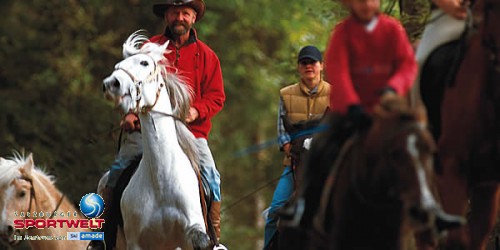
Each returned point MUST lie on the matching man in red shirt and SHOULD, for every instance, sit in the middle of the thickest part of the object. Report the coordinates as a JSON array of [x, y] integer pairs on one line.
[[201, 68], [368, 56]]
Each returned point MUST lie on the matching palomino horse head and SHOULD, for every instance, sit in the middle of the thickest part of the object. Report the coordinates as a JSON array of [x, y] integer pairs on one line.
[[400, 150], [15, 195]]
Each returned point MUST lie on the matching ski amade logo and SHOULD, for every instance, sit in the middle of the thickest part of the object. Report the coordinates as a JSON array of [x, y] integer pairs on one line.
[[92, 205]]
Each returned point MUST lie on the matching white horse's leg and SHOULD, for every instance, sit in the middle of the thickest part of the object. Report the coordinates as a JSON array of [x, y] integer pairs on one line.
[[195, 231], [131, 216]]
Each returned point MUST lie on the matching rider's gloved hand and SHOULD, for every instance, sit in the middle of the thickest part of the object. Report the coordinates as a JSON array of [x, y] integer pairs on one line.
[[130, 123], [357, 118], [387, 91]]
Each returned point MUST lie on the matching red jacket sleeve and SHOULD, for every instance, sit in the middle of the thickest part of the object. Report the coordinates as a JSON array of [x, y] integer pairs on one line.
[[405, 65], [212, 88], [342, 93]]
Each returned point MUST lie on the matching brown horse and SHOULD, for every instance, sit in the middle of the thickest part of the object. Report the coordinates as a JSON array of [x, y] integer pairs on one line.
[[381, 195], [469, 146]]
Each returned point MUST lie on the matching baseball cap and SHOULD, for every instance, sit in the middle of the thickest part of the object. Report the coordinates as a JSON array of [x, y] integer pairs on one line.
[[310, 52]]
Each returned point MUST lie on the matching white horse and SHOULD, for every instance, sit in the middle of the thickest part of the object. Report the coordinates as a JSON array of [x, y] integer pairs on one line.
[[25, 188], [161, 205]]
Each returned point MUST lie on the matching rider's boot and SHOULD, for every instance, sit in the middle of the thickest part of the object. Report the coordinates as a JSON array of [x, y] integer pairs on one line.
[[107, 196], [215, 217]]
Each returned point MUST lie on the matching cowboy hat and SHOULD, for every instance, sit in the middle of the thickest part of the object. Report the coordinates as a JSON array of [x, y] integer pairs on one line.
[[198, 6]]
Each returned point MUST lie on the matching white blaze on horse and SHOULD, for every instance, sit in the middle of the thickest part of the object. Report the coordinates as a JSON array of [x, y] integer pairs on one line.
[[25, 188], [161, 205]]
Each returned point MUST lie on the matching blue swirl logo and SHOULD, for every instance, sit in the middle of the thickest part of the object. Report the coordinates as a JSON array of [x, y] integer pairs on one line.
[[92, 205]]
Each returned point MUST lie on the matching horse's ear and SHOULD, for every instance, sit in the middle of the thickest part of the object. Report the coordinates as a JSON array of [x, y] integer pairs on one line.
[[133, 44], [156, 50], [164, 48], [28, 165]]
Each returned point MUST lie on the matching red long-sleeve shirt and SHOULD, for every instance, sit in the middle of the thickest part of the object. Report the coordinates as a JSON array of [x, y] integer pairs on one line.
[[360, 63], [200, 66]]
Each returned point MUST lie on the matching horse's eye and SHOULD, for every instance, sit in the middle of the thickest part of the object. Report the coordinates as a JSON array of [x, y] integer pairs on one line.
[[22, 194], [144, 63]]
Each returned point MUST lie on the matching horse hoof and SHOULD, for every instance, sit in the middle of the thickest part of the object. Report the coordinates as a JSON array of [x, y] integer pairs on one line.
[[199, 239]]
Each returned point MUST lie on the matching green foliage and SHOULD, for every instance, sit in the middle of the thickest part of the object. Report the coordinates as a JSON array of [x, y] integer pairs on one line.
[[54, 55], [414, 15]]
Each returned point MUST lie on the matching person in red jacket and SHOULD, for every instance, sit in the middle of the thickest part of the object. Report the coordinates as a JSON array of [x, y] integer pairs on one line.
[[200, 66], [368, 56]]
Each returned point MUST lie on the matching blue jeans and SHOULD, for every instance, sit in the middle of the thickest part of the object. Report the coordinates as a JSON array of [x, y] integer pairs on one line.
[[207, 167], [130, 150], [282, 194]]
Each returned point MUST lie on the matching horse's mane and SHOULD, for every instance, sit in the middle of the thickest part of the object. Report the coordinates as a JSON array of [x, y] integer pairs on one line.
[[180, 93], [10, 169]]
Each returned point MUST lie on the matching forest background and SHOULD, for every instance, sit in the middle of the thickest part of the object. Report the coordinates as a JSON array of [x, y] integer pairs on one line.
[[54, 55]]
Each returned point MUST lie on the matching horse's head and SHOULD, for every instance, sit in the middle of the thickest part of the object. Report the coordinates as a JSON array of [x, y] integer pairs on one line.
[[400, 150], [15, 195], [143, 63]]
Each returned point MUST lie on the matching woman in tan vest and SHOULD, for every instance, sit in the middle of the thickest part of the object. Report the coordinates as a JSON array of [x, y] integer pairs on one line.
[[301, 106]]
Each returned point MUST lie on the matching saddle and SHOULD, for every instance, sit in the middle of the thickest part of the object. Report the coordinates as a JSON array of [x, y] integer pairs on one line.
[[115, 218], [300, 131], [438, 73]]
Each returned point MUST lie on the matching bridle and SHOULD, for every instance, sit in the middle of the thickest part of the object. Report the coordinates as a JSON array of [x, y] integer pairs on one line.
[[33, 198], [138, 83]]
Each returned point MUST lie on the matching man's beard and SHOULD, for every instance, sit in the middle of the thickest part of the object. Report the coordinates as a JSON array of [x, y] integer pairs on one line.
[[179, 30]]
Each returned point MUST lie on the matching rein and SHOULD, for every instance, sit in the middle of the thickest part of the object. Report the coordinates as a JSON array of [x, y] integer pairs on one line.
[[149, 108], [33, 198]]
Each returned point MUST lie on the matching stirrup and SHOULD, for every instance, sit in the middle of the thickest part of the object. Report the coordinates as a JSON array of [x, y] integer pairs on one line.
[[220, 247]]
